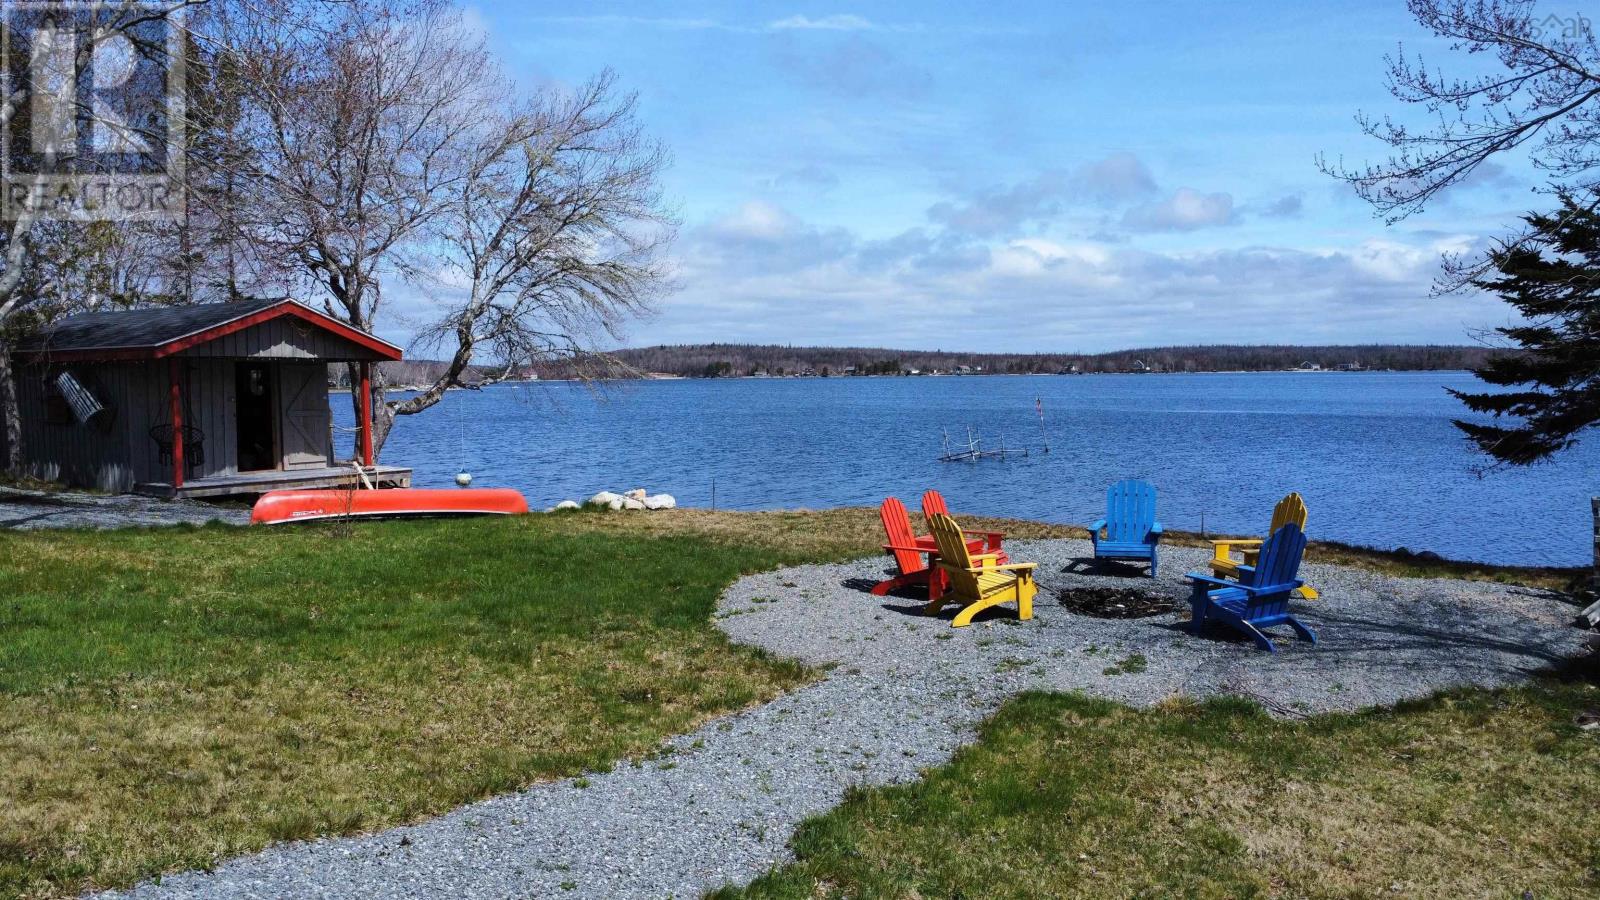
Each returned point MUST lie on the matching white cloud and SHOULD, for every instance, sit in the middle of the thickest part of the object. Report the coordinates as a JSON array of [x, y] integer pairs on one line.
[[1120, 176], [758, 220], [1081, 264], [837, 22], [762, 274], [1003, 210], [1000, 211], [1393, 262], [1289, 206], [1186, 210]]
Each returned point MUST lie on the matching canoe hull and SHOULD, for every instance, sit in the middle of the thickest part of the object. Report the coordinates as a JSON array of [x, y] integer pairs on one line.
[[279, 507]]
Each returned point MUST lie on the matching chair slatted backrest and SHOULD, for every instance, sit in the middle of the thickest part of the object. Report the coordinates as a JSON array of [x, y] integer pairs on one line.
[[897, 526], [1290, 509], [953, 550], [1130, 510], [933, 502], [1278, 567]]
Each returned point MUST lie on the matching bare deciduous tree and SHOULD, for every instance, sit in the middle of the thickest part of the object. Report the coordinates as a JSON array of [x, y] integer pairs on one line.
[[381, 144], [1543, 97], [551, 237], [347, 140]]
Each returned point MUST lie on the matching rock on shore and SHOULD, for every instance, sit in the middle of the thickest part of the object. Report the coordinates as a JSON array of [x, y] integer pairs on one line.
[[638, 498]]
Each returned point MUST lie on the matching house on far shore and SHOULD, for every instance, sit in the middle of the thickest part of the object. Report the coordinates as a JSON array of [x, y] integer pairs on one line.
[[194, 401]]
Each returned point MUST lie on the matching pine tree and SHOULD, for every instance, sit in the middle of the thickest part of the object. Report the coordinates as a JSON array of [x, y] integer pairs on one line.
[[1553, 279]]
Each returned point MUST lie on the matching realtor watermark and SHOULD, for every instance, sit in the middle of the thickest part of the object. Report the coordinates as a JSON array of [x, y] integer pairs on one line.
[[94, 111]]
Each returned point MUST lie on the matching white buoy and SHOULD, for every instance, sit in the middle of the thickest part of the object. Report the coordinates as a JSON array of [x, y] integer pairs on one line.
[[463, 479]]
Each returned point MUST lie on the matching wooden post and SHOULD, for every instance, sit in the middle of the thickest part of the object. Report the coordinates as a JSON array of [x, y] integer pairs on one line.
[[1591, 613], [175, 397], [366, 414]]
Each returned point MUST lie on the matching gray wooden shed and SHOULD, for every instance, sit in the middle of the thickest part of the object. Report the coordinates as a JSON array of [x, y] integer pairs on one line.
[[194, 401]]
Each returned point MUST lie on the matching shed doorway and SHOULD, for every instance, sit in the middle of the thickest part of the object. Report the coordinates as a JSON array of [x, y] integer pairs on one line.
[[256, 414]]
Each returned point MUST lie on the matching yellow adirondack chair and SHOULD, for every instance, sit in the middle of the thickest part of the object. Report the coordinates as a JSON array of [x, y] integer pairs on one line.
[[1290, 509], [978, 581]]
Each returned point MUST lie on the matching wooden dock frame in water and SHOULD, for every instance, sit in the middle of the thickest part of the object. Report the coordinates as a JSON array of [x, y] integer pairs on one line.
[[973, 451]]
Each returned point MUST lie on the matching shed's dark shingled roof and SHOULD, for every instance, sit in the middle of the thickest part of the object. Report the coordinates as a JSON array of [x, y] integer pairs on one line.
[[134, 329]]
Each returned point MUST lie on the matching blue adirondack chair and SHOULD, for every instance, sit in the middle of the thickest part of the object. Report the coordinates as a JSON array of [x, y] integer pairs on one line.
[[1260, 598], [1131, 529]]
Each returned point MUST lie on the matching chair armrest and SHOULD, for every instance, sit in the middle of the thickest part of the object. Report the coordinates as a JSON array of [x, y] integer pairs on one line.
[[1155, 532], [977, 556], [892, 547], [1247, 588], [1278, 588], [1200, 579], [1096, 525], [993, 537], [1237, 542], [979, 570]]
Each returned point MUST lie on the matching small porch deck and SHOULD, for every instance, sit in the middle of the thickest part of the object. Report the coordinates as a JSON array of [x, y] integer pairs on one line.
[[278, 480]]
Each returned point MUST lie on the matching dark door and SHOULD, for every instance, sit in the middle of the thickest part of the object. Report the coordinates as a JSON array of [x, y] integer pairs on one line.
[[256, 412]]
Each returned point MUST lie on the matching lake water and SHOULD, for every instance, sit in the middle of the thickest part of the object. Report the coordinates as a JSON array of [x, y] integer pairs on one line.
[[1374, 454]]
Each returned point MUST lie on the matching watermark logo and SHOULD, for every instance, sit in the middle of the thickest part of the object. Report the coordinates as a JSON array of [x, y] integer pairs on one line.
[[93, 111], [1554, 27]]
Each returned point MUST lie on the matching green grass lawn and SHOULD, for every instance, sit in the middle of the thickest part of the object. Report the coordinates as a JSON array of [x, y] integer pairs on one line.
[[1474, 794], [172, 697]]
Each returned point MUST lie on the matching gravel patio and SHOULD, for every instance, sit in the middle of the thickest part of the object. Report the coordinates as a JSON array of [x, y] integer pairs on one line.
[[902, 692]]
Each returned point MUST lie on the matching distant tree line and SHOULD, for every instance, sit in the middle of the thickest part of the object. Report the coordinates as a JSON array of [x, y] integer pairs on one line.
[[724, 360], [415, 373]]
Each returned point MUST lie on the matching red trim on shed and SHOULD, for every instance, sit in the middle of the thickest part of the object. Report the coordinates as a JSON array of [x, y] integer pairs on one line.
[[175, 397], [378, 346], [289, 307], [366, 414]]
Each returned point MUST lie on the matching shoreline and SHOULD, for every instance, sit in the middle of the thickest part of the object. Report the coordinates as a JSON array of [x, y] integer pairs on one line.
[[115, 511], [654, 376]]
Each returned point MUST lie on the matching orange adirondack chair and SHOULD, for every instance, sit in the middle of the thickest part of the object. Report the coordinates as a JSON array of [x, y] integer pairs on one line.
[[933, 505], [909, 550]]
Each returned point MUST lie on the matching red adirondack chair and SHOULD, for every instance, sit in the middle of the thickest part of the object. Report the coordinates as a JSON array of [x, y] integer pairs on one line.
[[909, 551], [933, 504]]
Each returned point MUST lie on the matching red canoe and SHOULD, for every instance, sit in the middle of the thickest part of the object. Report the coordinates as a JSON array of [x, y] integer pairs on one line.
[[276, 507]]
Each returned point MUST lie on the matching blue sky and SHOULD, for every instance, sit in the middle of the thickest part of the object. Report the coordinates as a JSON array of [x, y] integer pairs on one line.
[[1022, 177]]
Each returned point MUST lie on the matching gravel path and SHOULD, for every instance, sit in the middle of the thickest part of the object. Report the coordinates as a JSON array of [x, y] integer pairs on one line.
[[904, 692], [72, 509]]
